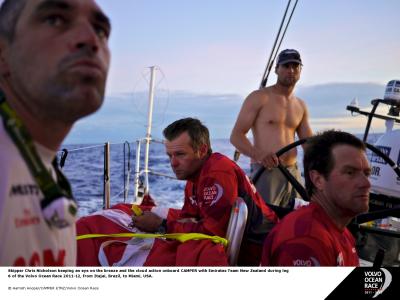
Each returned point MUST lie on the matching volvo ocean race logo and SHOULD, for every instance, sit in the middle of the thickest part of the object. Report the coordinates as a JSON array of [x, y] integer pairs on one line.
[[211, 194], [376, 282]]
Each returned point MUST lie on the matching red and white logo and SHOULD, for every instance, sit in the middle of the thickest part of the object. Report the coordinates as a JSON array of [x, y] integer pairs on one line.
[[48, 257], [27, 219], [312, 261], [211, 194]]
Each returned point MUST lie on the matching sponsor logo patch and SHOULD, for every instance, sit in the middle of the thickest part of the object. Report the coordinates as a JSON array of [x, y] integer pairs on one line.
[[26, 220], [211, 194], [24, 190], [374, 158], [312, 261]]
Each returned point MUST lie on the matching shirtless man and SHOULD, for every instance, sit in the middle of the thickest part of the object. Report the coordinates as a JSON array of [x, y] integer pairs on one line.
[[274, 114]]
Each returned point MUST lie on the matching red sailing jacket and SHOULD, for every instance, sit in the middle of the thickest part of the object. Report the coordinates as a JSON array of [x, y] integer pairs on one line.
[[308, 237], [208, 202], [209, 199], [207, 207]]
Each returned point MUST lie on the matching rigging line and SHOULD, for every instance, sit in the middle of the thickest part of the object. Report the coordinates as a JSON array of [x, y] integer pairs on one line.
[[83, 148], [275, 49], [162, 175], [155, 173], [159, 80], [157, 141], [280, 42], [275, 42], [118, 143], [139, 108], [168, 93], [117, 195]]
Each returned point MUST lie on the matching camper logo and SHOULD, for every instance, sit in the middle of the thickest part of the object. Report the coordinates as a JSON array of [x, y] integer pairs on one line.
[[376, 282]]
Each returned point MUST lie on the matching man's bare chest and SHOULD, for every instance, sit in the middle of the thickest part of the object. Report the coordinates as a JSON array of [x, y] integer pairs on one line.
[[280, 115]]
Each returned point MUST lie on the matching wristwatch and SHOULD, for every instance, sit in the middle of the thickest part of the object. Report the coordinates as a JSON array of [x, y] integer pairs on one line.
[[163, 227]]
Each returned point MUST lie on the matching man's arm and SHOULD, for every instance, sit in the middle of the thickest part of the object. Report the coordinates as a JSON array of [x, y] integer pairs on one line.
[[245, 120], [304, 129]]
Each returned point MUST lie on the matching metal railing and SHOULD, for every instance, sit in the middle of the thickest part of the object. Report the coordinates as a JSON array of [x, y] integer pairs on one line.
[[141, 186], [106, 176]]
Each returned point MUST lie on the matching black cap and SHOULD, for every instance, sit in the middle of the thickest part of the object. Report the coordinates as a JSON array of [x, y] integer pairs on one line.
[[288, 56]]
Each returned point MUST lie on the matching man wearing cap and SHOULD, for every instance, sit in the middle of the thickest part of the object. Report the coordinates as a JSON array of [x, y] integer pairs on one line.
[[274, 114]]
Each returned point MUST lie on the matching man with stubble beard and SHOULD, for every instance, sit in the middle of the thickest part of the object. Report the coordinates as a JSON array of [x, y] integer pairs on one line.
[[336, 171], [54, 60], [213, 182], [274, 114]]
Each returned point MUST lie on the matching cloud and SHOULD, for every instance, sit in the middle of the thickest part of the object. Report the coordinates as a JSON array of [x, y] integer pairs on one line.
[[124, 116], [351, 124]]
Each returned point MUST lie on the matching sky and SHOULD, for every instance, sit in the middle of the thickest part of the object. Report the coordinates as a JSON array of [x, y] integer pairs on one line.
[[223, 46], [214, 52]]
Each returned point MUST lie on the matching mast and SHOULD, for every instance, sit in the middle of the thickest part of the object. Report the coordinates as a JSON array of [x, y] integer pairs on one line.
[[149, 125]]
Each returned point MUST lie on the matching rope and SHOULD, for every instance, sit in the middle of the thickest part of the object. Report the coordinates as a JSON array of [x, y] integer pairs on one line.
[[83, 148], [117, 195], [90, 147], [275, 49], [159, 96], [162, 175], [181, 237], [280, 42], [168, 90]]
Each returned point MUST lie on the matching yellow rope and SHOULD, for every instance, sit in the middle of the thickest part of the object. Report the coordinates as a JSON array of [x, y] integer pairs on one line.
[[182, 237]]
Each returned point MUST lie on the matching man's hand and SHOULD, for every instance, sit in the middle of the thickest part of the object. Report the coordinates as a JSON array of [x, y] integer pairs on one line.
[[270, 161], [148, 221]]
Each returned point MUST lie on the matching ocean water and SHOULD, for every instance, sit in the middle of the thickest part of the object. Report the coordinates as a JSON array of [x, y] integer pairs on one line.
[[84, 169]]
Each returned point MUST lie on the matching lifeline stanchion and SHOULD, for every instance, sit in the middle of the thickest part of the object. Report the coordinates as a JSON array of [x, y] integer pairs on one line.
[[127, 174], [106, 191]]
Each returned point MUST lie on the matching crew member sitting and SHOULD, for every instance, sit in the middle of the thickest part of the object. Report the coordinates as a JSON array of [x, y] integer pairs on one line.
[[214, 182], [336, 172]]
